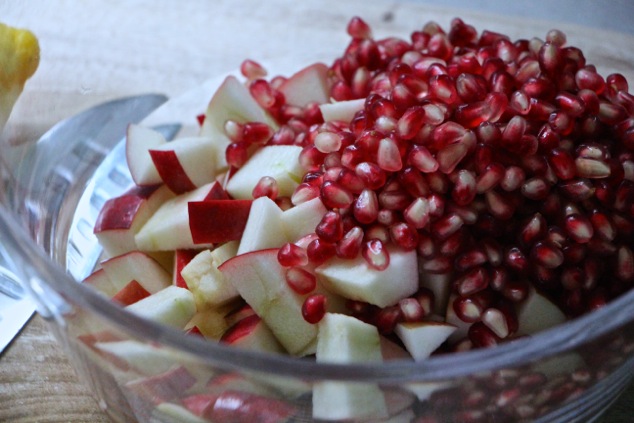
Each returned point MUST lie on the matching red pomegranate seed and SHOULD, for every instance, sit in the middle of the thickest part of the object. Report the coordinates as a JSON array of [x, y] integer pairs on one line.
[[496, 321], [314, 308], [395, 199], [378, 231], [327, 142], [371, 174], [588, 78], [237, 154], [252, 70], [592, 168], [515, 291], [411, 310], [513, 179], [579, 228], [438, 265], [547, 255], [266, 187], [536, 188], [301, 280], [375, 254], [498, 206], [263, 93], [389, 157], [625, 264], [417, 213], [464, 190], [482, 337], [350, 244], [234, 130], [304, 192], [257, 133], [602, 225], [446, 226], [473, 281], [330, 228], [562, 163], [426, 247], [290, 255], [318, 251], [387, 318], [334, 196], [468, 309], [515, 259], [404, 235]]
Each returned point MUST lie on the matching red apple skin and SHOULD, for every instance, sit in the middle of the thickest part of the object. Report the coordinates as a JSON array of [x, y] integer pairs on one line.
[[131, 293], [218, 221], [236, 407], [234, 316], [119, 212], [217, 192], [171, 171], [240, 329], [181, 258]]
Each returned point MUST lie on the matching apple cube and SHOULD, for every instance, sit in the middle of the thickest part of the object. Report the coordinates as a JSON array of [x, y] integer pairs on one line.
[[280, 162], [137, 266], [356, 280], [264, 228], [309, 85], [342, 111], [122, 217], [205, 281], [185, 163], [261, 281], [130, 294], [346, 339], [302, 219], [231, 101], [99, 281], [139, 141], [218, 221], [537, 313], [237, 406], [144, 358], [421, 339], [181, 259], [168, 228], [171, 306], [253, 334]]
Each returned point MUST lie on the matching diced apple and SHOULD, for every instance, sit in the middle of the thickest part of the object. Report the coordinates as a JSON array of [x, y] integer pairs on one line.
[[345, 339], [205, 281], [261, 281], [421, 339], [309, 85], [253, 334], [139, 141], [210, 322], [280, 162], [264, 228], [218, 221], [185, 163], [356, 280], [236, 406], [537, 313], [231, 101], [168, 228], [144, 358], [390, 350], [239, 313], [181, 258], [130, 294], [235, 382], [440, 286], [302, 219], [137, 266], [99, 280], [167, 412], [171, 306], [342, 111], [121, 217]]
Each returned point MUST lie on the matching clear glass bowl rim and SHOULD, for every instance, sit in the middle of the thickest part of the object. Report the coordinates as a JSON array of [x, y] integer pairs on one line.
[[39, 268]]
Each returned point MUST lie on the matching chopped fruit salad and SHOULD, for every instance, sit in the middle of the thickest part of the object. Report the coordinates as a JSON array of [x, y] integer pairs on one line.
[[451, 191], [19, 58]]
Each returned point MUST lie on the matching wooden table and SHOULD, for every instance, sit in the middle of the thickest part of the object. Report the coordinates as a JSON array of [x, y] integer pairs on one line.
[[91, 53]]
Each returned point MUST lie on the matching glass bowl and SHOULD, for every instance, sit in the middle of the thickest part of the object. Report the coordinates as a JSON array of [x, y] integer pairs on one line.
[[570, 373]]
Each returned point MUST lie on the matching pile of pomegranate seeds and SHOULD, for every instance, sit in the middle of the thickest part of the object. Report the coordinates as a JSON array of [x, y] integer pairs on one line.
[[505, 164]]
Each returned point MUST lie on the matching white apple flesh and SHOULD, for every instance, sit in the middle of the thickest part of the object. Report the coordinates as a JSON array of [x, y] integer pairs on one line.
[[172, 306], [139, 141]]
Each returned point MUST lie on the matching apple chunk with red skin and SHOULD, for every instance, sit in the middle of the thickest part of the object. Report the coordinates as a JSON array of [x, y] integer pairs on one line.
[[356, 280], [231, 101], [136, 266], [218, 221], [185, 163], [253, 334], [121, 217], [261, 281], [139, 141], [309, 85], [168, 228], [171, 306]]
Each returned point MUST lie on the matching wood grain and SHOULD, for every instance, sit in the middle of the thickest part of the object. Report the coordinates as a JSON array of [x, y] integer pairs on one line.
[[94, 51]]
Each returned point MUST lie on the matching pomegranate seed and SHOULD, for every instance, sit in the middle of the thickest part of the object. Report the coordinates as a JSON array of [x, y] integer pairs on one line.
[[625, 264], [495, 320], [515, 259], [483, 337], [472, 282], [387, 318], [252, 70], [536, 188], [334, 196], [438, 265], [587, 78], [318, 251], [445, 227], [389, 157], [314, 308], [330, 228], [301, 280], [234, 130], [375, 254], [602, 225], [591, 168], [237, 154], [562, 163], [395, 199], [263, 93], [350, 245], [411, 310], [417, 213], [327, 142], [257, 133], [468, 309], [371, 174], [490, 178], [513, 178], [290, 255], [266, 187], [404, 235], [498, 206], [547, 255], [579, 227], [464, 190], [304, 192]]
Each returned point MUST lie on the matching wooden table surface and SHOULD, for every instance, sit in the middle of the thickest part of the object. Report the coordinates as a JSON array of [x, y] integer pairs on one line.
[[94, 51]]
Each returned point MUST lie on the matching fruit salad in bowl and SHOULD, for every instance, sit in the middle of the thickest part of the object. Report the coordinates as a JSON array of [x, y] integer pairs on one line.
[[437, 228]]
